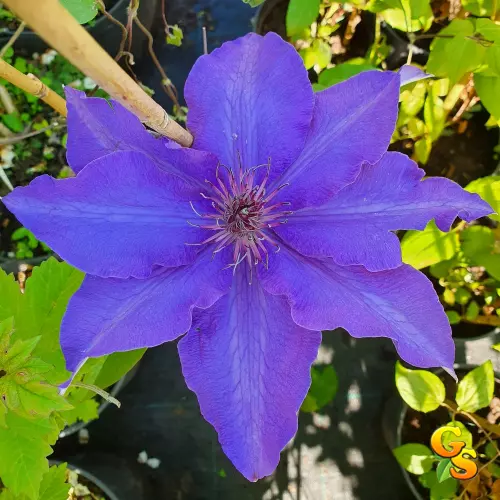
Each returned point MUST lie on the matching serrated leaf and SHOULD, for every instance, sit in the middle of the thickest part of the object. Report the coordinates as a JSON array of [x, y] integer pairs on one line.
[[22, 385], [420, 389], [414, 457], [82, 10], [46, 298], [84, 411], [489, 190], [454, 57], [10, 296], [23, 452], [443, 470], [323, 389], [430, 246], [300, 15], [475, 390], [54, 485]]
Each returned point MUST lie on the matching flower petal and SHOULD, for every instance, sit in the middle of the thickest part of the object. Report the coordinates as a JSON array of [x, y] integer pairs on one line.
[[119, 217], [400, 304], [250, 98], [354, 226], [249, 365], [352, 123], [411, 74], [110, 314], [97, 128]]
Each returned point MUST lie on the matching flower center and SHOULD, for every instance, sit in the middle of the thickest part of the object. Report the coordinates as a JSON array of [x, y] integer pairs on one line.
[[243, 215]]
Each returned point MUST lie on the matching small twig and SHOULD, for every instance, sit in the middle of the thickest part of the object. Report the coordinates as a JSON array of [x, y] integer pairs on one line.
[[483, 423], [5, 131], [22, 137], [7, 101], [109, 17], [165, 80], [13, 38], [99, 391]]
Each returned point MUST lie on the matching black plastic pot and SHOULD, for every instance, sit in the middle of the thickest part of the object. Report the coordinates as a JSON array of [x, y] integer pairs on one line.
[[107, 34], [113, 475]]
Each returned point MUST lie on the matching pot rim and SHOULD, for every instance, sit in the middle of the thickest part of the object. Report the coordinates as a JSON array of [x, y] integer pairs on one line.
[[88, 475]]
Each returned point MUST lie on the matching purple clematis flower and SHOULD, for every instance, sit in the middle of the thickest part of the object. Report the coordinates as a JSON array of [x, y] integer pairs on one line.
[[276, 225]]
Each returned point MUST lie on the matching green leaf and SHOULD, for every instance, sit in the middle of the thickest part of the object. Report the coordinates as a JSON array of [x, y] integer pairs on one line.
[[480, 8], [13, 121], [253, 3], [415, 458], [491, 32], [439, 491], [489, 190], [412, 101], [488, 89], [430, 246], [453, 317], [82, 10], [54, 485], [465, 437], [423, 149], [496, 347], [300, 15], [408, 15], [341, 72], [22, 386], [420, 389], [434, 115], [475, 390], [318, 54], [175, 36], [116, 366], [462, 296], [323, 389], [24, 446], [476, 240], [46, 298], [443, 470], [10, 296], [472, 311], [454, 57], [83, 411]]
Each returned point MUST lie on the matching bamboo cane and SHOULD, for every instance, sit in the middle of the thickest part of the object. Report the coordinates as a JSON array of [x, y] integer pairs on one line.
[[32, 85], [60, 30]]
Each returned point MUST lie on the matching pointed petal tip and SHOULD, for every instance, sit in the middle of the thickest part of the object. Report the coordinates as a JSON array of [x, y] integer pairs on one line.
[[450, 372], [410, 74]]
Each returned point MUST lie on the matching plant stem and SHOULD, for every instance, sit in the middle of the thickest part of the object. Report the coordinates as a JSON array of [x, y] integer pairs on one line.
[[99, 391], [22, 137], [13, 38], [483, 423], [32, 85], [59, 29], [7, 101]]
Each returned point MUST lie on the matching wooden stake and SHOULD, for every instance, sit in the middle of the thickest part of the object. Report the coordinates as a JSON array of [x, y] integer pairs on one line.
[[32, 85], [59, 29]]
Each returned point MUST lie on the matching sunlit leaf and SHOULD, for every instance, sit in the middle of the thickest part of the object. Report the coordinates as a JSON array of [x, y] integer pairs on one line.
[[489, 190], [82, 10], [300, 14], [430, 246], [420, 389], [414, 457], [475, 390], [341, 72], [54, 485], [323, 389]]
